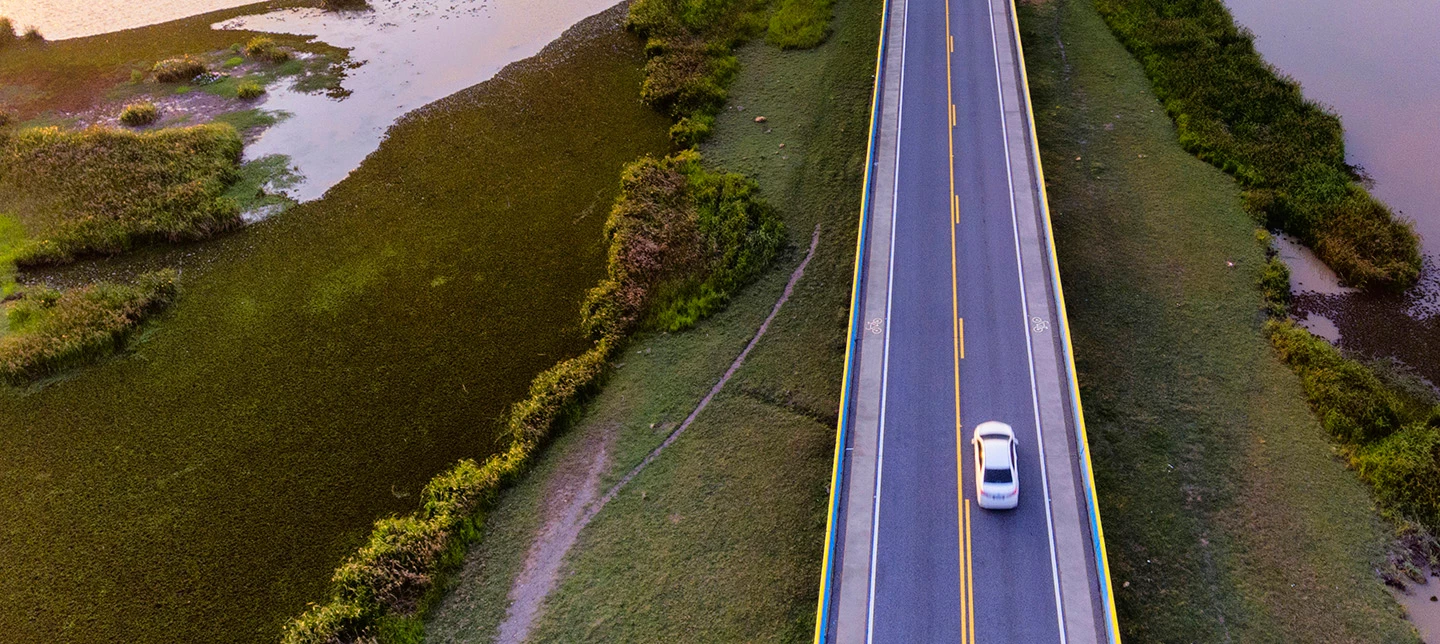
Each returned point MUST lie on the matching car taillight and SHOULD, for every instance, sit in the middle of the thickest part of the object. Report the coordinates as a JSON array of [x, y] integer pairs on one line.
[[1014, 491]]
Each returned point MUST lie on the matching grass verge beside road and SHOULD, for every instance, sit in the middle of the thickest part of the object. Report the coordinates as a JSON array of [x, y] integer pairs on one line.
[[720, 539], [1227, 516]]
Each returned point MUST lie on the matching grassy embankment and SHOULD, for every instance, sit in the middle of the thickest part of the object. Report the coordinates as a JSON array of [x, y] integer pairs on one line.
[[321, 366], [1227, 517], [1288, 153], [685, 553]]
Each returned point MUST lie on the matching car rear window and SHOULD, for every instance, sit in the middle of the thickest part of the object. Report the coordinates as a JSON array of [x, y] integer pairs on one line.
[[997, 476]]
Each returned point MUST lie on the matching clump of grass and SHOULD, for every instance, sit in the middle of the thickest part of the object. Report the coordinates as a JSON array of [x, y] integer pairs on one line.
[[264, 48], [105, 190], [234, 61], [52, 330], [249, 90], [33, 35], [799, 24], [682, 241], [138, 114], [7, 32], [1234, 111], [178, 70]]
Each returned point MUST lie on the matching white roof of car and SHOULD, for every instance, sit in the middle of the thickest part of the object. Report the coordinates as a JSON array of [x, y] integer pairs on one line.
[[996, 437]]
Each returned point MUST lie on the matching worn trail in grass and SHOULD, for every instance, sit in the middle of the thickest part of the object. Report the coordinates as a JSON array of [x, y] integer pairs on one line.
[[321, 366], [1226, 515], [720, 538]]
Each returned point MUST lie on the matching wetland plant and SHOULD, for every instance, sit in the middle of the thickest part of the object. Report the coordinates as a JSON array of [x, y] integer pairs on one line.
[[139, 114], [264, 48], [344, 5], [249, 90], [32, 35], [7, 32], [53, 330], [178, 70]]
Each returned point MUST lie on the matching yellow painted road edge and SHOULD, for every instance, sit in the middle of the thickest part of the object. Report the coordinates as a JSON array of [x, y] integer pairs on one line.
[[825, 573], [1111, 622]]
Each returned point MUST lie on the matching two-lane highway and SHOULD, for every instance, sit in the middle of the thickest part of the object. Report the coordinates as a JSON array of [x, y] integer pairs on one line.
[[957, 320]]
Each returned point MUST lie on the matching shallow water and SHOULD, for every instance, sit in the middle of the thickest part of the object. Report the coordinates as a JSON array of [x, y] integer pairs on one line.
[[413, 52], [60, 19], [1376, 65], [320, 366]]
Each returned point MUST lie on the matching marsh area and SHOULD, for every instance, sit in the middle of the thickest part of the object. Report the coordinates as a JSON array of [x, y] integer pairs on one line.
[[320, 366]]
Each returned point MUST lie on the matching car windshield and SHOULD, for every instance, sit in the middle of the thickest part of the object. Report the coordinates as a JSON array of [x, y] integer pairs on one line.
[[997, 476]]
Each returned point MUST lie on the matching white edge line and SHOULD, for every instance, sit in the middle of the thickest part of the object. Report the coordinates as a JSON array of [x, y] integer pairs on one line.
[[1025, 304], [885, 351]]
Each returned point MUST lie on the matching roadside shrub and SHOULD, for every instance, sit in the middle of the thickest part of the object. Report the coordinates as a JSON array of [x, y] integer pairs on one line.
[[178, 70], [1234, 111], [264, 48], [249, 90], [106, 190], [7, 32], [682, 241], [799, 24], [51, 330], [138, 114]]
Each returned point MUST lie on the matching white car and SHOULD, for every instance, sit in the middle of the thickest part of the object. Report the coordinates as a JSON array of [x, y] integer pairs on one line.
[[997, 481]]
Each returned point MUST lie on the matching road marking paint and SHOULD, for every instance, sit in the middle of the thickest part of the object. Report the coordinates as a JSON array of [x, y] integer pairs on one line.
[[969, 574], [1025, 308], [967, 609], [961, 323]]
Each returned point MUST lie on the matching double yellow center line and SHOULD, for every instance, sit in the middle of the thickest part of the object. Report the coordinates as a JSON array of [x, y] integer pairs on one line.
[[967, 577]]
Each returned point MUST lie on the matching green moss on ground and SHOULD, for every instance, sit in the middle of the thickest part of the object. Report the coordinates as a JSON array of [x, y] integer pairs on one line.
[[1227, 517], [48, 330], [718, 567], [1236, 112], [105, 190]]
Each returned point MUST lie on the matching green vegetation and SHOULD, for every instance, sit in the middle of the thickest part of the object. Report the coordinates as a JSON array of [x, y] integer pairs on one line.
[[246, 120], [33, 35], [344, 5], [690, 60], [77, 74], [264, 48], [1211, 469], [48, 330], [138, 114], [233, 61], [249, 90], [106, 190], [7, 32], [800, 24], [178, 70], [1237, 113], [682, 241]]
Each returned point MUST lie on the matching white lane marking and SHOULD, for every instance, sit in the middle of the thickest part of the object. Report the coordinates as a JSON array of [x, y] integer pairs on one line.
[[885, 350], [1025, 304]]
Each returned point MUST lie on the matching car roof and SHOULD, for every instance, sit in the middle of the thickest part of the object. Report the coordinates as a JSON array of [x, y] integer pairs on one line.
[[997, 453]]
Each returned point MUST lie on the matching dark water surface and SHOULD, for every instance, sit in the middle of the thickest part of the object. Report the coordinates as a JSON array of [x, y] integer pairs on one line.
[[321, 366], [1377, 64]]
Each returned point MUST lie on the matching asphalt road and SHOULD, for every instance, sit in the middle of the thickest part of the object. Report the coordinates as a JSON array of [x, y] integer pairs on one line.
[[954, 345]]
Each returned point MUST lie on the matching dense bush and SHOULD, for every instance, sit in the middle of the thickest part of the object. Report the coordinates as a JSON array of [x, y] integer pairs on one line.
[[178, 70], [264, 48], [1234, 111], [7, 32], [249, 90], [105, 190], [682, 241], [138, 114], [344, 5], [52, 330]]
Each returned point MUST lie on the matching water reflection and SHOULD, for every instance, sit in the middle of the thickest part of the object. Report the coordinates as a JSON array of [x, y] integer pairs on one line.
[[61, 19], [409, 58]]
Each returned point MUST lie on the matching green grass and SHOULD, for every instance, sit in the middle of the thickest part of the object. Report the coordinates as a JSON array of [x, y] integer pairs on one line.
[[47, 330], [249, 91], [1236, 112], [685, 553], [318, 370], [106, 190], [1227, 517], [799, 24], [182, 69]]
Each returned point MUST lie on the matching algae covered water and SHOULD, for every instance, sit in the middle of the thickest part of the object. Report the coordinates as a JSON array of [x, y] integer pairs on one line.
[[321, 366]]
